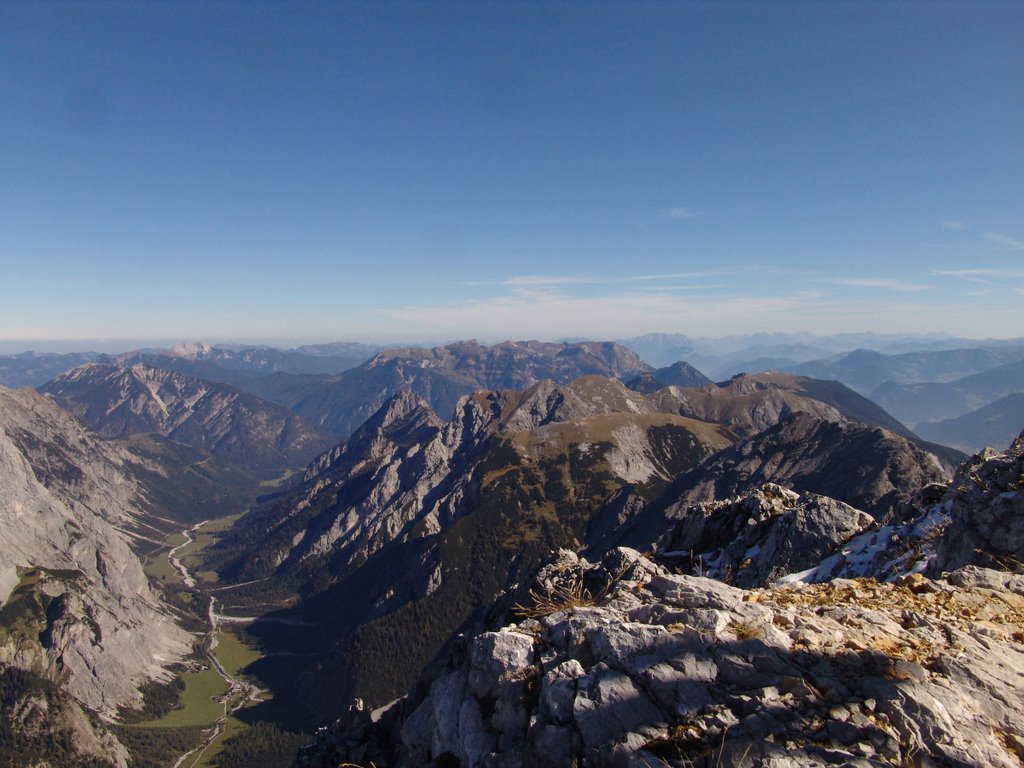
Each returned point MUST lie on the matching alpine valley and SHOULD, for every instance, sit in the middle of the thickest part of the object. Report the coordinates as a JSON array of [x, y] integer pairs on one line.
[[530, 553]]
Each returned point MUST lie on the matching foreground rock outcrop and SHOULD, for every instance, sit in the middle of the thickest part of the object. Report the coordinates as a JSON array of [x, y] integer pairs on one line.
[[759, 538], [986, 511], [663, 669]]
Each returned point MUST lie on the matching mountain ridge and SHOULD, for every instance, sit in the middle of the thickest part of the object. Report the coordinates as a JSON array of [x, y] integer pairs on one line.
[[259, 436], [441, 375]]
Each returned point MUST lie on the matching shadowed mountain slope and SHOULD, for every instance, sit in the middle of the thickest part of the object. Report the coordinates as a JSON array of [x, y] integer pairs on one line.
[[992, 425], [864, 370], [918, 404], [750, 403]]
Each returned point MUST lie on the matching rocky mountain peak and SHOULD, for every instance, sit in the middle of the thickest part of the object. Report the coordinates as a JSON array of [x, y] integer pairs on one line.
[[195, 350], [747, 403], [547, 402], [985, 505], [401, 416], [403, 421], [744, 383]]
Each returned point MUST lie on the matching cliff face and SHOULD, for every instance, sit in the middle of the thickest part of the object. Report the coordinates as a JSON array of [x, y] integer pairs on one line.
[[78, 608]]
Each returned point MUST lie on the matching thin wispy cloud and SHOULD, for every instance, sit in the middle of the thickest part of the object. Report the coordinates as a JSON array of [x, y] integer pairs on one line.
[[533, 314], [981, 275], [678, 287], [952, 224], [541, 280], [676, 275], [556, 280], [682, 214], [874, 282], [1007, 242], [530, 313]]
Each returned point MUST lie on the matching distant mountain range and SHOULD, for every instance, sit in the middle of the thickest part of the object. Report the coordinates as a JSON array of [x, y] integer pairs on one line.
[[30, 369], [917, 403], [917, 378], [441, 376], [723, 357], [864, 370], [241, 366], [261, 437], [225, 364]]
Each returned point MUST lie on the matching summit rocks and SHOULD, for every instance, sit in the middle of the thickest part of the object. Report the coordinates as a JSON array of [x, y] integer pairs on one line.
[[665, 669], [769, 533], [985, 504]]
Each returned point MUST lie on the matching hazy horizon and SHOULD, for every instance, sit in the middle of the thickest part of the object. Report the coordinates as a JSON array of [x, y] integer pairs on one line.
[[387, 171], [116, 346]]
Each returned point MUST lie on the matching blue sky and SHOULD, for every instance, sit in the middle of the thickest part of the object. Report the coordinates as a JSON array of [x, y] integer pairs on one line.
[[413, 171]]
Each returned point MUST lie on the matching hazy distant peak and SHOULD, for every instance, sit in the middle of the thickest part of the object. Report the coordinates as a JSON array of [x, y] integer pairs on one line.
[[193, 350]]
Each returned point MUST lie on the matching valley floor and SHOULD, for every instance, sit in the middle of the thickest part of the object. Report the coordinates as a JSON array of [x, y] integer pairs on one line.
[[217, 688]]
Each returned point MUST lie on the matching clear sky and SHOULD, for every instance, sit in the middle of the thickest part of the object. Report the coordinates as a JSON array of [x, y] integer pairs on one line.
[[430, 170]]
